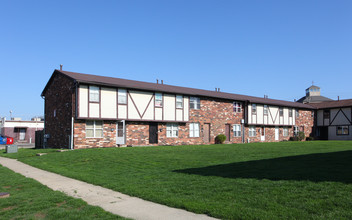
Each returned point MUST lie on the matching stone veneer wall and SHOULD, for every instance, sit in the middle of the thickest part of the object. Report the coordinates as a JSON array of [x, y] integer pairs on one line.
[[306, 120], [269, 134], [60, 97]]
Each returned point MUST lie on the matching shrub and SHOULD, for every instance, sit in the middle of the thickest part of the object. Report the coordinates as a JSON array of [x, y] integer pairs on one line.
[[309, 138], [220, 139], [295, 138], [301, 136]]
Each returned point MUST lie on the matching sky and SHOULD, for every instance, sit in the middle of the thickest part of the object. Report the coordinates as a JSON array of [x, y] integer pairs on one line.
[[275, 48]]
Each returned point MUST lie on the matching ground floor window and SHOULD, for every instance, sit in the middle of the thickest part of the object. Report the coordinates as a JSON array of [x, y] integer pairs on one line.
[[94, 129], [194, 130], [342, 130], [237, 130], [285, 132], [171, 130], [252, 132], [295, 131]]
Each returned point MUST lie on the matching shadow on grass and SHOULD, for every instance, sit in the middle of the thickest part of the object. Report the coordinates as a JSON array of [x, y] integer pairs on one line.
[[335, 166]]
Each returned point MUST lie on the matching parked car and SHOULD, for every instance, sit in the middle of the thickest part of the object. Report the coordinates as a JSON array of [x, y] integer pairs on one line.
[[6, 140]]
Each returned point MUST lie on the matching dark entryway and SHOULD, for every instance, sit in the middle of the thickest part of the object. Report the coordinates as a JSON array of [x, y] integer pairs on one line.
[[323, 133], [153, 133], [227, 132]]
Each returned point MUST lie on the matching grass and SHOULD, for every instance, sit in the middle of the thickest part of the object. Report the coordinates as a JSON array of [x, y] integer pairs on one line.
[[286, 180], [31, 200]]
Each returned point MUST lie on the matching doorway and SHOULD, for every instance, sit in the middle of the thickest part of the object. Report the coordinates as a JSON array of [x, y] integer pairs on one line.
[[262, 134], [227, 132], [276, 133], [206, 133], [153, 133], [120, 132]]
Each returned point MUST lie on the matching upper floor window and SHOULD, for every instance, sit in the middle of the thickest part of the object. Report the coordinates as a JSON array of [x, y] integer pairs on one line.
[[297, 113], [326, 114], [237, 107], [158, 99], [237, 130], [254, 109], [194, 130], [265, 110], [194, 103], [342, 130], [281, 111], [94, 129], [171, 130], [290, 112], [122, 96], [93, 93], [179, 101]]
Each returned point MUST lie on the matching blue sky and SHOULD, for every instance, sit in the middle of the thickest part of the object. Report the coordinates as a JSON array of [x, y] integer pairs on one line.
[[247, 47]]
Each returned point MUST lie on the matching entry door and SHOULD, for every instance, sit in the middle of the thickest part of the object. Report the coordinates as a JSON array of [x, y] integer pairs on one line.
[[206, 133], [227, 132], [153, 133], [276, 133], [120, 132], [262, 136], [22, 134]]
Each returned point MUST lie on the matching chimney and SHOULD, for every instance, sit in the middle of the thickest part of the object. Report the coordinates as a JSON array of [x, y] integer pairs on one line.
[[162, 81], [338, 98], [218, 89], [61, 66], [294, 100], [157, 81]]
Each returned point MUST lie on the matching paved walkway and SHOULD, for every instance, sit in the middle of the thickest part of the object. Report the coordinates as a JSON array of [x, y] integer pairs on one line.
[[111, 201]]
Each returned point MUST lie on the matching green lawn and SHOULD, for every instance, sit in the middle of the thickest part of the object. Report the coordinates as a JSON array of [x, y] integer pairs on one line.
[[302, 180], [31, 200]]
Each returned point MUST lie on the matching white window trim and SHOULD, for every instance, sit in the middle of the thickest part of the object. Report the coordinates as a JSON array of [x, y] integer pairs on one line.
[[237, 130], [252, 132], [159, 100], [94, 129], [94, 90], [285, 132], [122, 93], [265, 109], [172, 130], [237, 107], [193, 132], [254, 109], [179, 101], [196, 102]]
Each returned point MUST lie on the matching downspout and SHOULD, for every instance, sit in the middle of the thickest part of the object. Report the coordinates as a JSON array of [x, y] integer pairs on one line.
[[44, 142], [71, 147]]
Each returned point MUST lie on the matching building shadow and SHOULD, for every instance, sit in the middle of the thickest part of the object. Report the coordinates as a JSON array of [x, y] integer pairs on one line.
[[334, 166]]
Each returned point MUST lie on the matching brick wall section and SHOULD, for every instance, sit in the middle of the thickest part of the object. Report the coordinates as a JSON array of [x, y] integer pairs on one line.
[[306, 120], [269, 134], [15, 134], [59, 96]]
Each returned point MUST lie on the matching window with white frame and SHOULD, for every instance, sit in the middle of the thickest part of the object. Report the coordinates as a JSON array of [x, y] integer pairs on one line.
[[265, 110], [171, 130], [237, 130], [122, 96], [342, 130], [158, 99], [179, 101], [297, 113], [326, 114], [285, 132], [295, 130], [93, 93], [237, 107], [281, 111], [252, 131], [290, 112], [194, 102], [254, 109], [94, 129], [194, 130]]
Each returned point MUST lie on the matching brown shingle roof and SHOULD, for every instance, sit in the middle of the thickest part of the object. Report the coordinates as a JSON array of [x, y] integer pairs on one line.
[[124, 83], [333, 104]]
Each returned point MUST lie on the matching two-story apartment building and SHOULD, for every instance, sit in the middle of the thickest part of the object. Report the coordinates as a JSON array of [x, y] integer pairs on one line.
[[83, 111]]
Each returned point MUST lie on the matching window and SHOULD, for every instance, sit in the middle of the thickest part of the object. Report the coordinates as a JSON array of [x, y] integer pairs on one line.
[[285, 132], [297, 113], [93, 93], [94, 129], [179, 101], [342, 130], [281, 110], [194, 103], [237, 107], [326, 114], [290, 112], [265, 110], [158, 100], [252, 132], [237, 130], [194, 130], [122, 96], [254, 109], [295, 131], [171, 130], [54, 113]]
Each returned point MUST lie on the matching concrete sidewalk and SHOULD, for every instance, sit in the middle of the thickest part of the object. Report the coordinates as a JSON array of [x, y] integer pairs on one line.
[[111, 201]]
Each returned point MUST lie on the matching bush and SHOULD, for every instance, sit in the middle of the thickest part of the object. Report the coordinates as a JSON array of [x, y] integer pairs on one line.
[[220, 139], [295, 138], [309, 138], [301, 136]]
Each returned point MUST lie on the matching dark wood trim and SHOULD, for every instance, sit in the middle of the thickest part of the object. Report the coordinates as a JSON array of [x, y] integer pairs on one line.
[[147, 106], [88, 109], [183, 108], [134, 104], [345, 116], [277, 113], [154, 107], [78, 100], [162, 112], [99, 102], [117, 102], [271, 116], [175, 108], [127, 103]]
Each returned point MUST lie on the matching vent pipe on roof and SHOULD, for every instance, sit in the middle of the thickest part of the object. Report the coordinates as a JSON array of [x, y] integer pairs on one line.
[[218, 89], [162, 81], [338, 98], [61, 66], [157, 81]]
